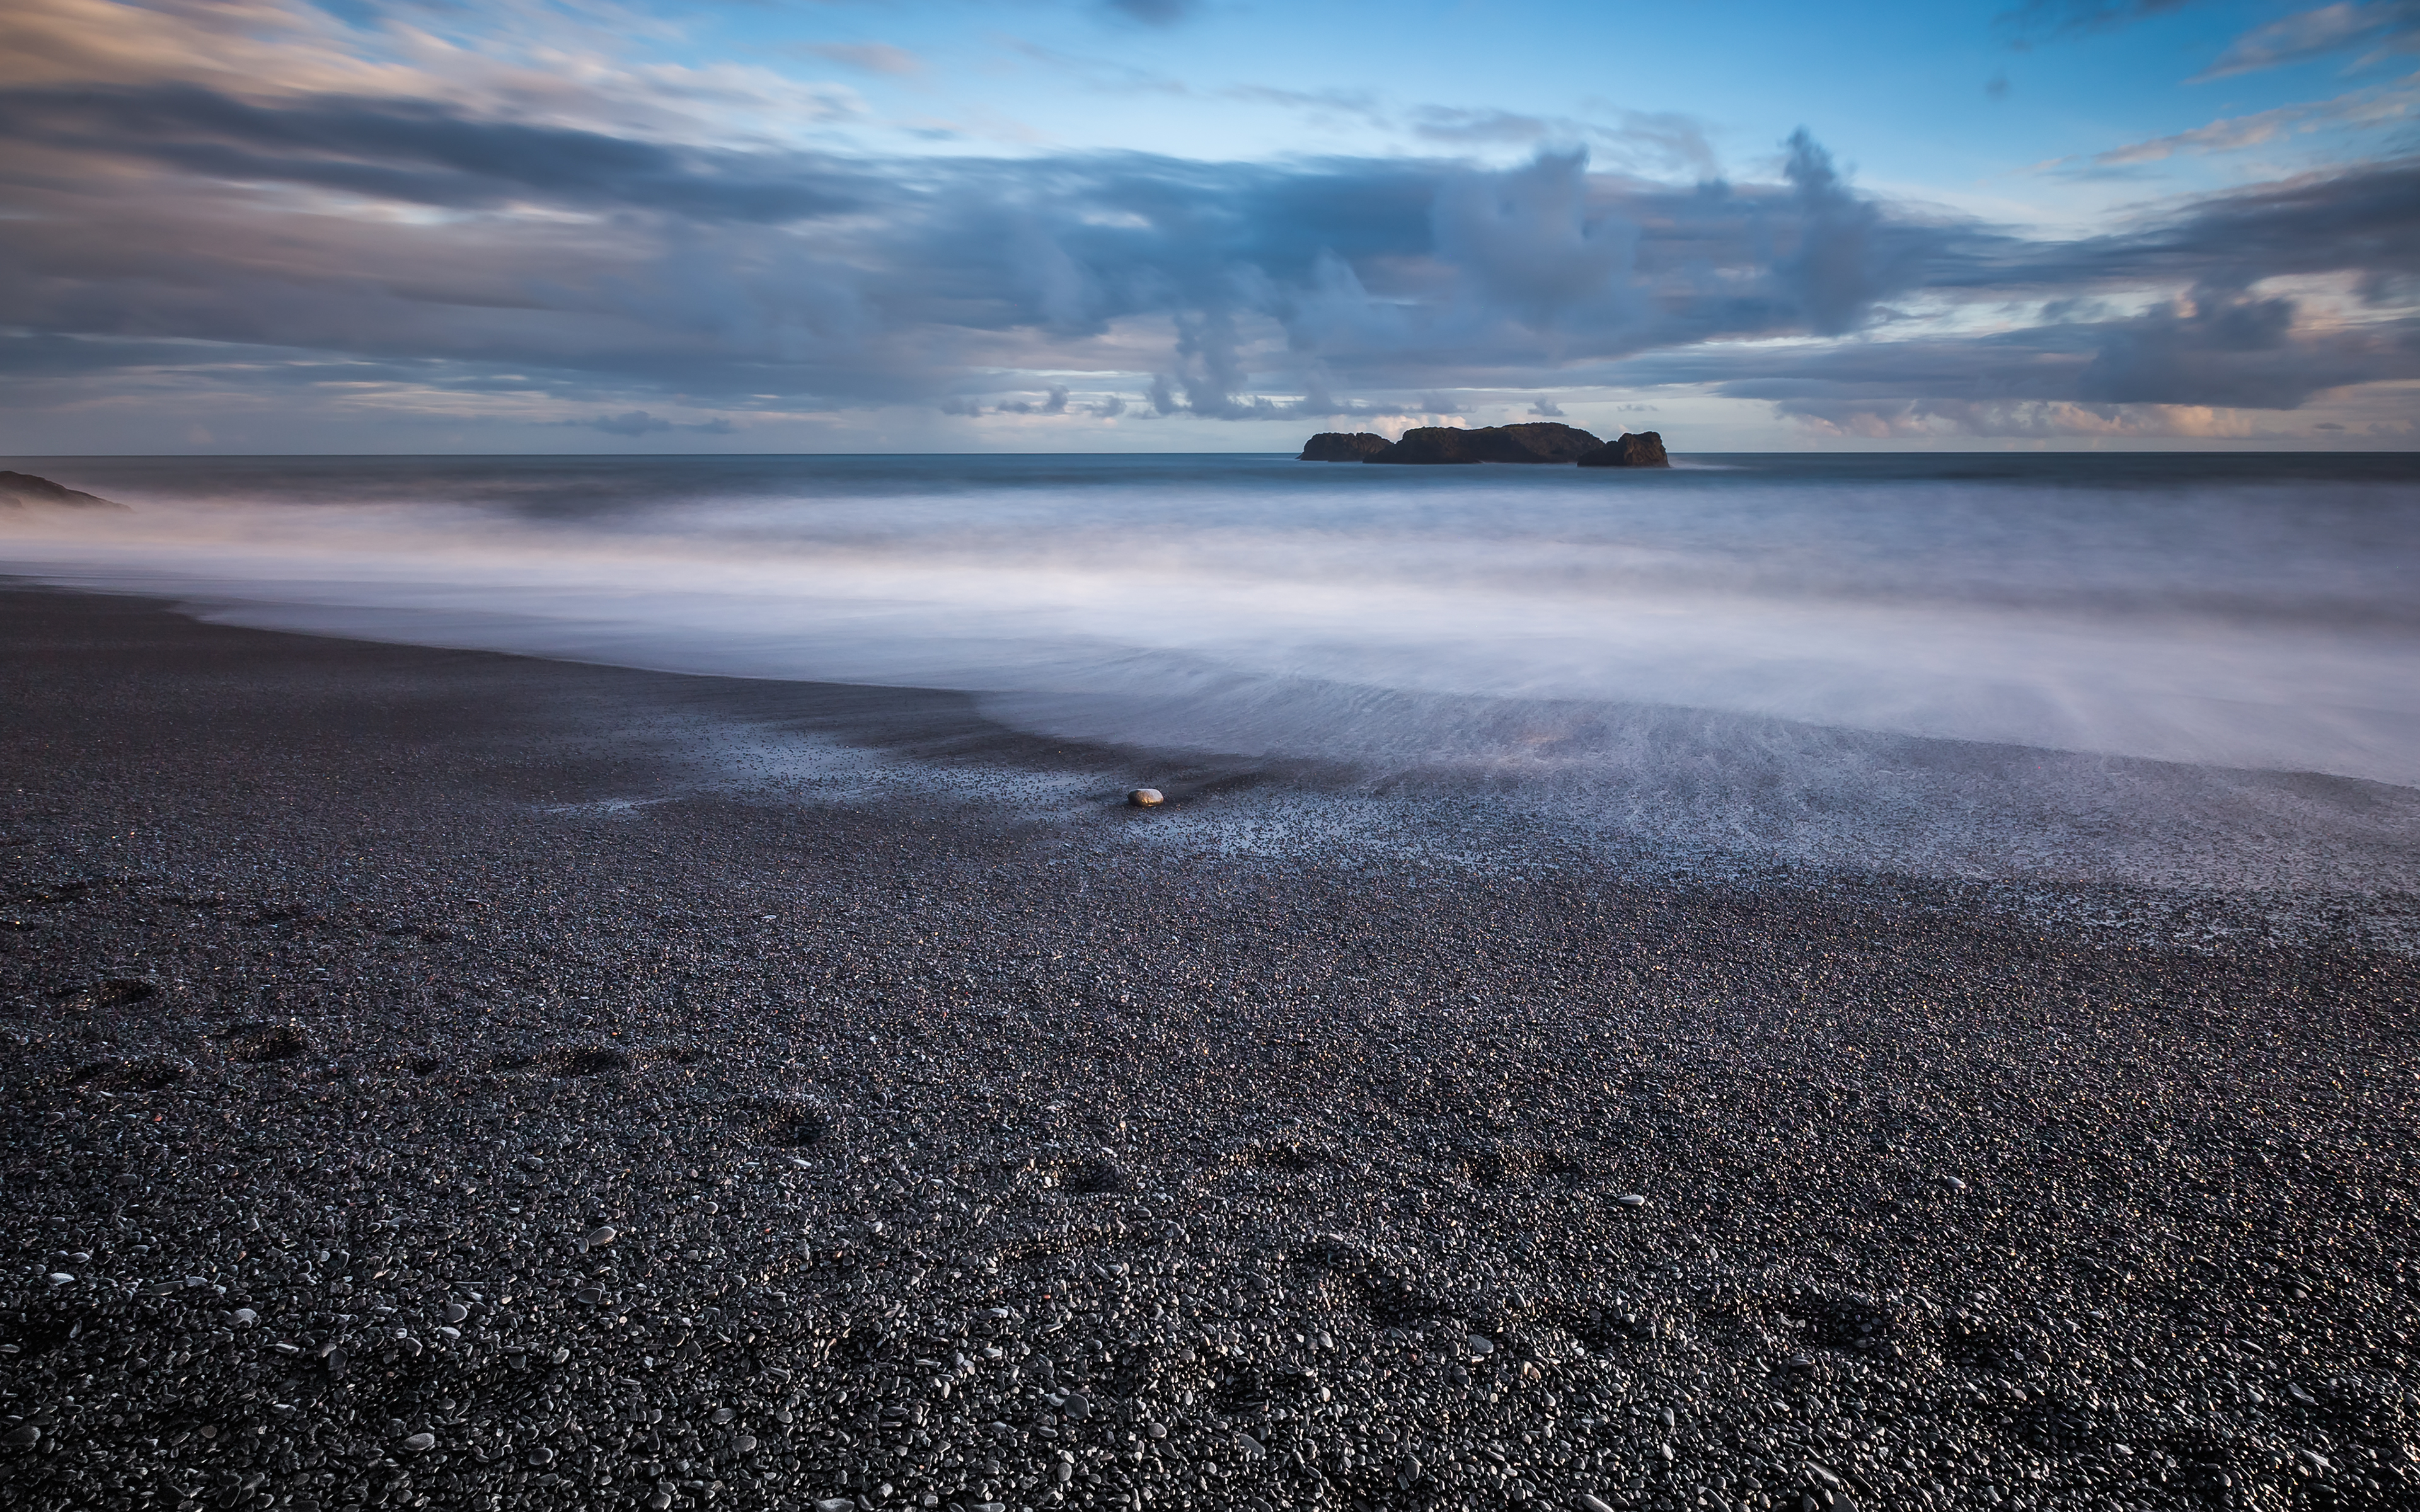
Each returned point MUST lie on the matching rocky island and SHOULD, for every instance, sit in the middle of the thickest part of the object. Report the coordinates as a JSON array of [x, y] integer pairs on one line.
[[1537, 441], [1342, 446], [1644, 450]]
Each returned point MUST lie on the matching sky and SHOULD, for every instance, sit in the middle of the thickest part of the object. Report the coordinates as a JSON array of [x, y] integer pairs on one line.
[[1196, 225]]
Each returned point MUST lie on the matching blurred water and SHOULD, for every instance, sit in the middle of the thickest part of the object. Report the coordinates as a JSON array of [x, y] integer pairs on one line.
[[2065, 663]]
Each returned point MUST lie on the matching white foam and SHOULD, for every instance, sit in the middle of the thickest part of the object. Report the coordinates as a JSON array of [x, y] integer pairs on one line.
[[1646, 655]]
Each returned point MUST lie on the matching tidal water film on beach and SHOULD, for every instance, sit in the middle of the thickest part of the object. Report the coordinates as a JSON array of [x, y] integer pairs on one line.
[[2200, 669]]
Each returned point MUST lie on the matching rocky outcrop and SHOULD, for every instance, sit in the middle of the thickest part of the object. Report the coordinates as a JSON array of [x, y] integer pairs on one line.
[[19, 489], [1543, 440], [1342, 446], [1537, 442], [1644, 450]]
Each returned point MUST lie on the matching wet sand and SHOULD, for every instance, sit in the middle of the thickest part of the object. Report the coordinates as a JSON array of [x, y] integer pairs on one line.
[[420, 1091]]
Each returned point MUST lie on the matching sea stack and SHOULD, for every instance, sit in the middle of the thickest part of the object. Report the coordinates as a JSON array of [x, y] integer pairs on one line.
[[1537, 442], [19, 490], [1643, 450], [1341, 446]]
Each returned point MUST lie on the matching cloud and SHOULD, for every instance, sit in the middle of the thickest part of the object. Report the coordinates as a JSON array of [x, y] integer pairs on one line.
[[1054, 403], [1153, 12], [1642, 140], [2036, 419], [417, 152], [2388, 25], [1837, 268], [868, 56], [2222, 350], [1660, 139], [2045, 18], [2359, 110], [1547, 409], [170, 236], [639, 423], [873, 57]]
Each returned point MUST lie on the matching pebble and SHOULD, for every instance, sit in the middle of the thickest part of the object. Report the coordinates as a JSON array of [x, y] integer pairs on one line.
[[1363, 1122], [1145, 798]]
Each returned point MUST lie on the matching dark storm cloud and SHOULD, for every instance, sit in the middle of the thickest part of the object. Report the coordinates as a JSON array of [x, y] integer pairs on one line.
[[169, 230]]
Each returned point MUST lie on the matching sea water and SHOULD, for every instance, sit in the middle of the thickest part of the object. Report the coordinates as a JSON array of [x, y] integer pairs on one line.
[[2182, 668]]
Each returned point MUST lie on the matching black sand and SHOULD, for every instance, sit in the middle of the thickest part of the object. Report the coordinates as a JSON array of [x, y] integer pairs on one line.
[[950, 1159]]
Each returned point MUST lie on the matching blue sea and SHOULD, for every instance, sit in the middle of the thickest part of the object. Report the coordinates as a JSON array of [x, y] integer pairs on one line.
[[2186, 670]]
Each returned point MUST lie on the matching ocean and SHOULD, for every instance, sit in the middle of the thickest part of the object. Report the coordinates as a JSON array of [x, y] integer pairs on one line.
[[2196, 671]]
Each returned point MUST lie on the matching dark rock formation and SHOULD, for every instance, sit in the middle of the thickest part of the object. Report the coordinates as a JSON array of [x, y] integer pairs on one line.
[[18, 489], [1340, 446], [1644, 450], [1537, 442], [1429, 444], [1542, 440]]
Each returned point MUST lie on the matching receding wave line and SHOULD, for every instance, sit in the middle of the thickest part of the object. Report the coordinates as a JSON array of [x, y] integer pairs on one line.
[[1701, 640]]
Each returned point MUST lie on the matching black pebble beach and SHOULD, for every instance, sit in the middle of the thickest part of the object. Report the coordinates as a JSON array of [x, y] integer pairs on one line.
[[401, 1113]]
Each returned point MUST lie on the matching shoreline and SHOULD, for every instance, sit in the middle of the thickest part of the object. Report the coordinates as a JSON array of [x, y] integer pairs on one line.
[[1315, 1169]]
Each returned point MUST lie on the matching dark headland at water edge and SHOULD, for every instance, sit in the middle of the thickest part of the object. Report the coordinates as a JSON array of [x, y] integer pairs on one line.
[[19, 490], [1542, 442]]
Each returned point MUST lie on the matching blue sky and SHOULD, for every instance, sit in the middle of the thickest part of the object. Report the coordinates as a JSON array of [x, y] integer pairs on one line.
[[260, 225]]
